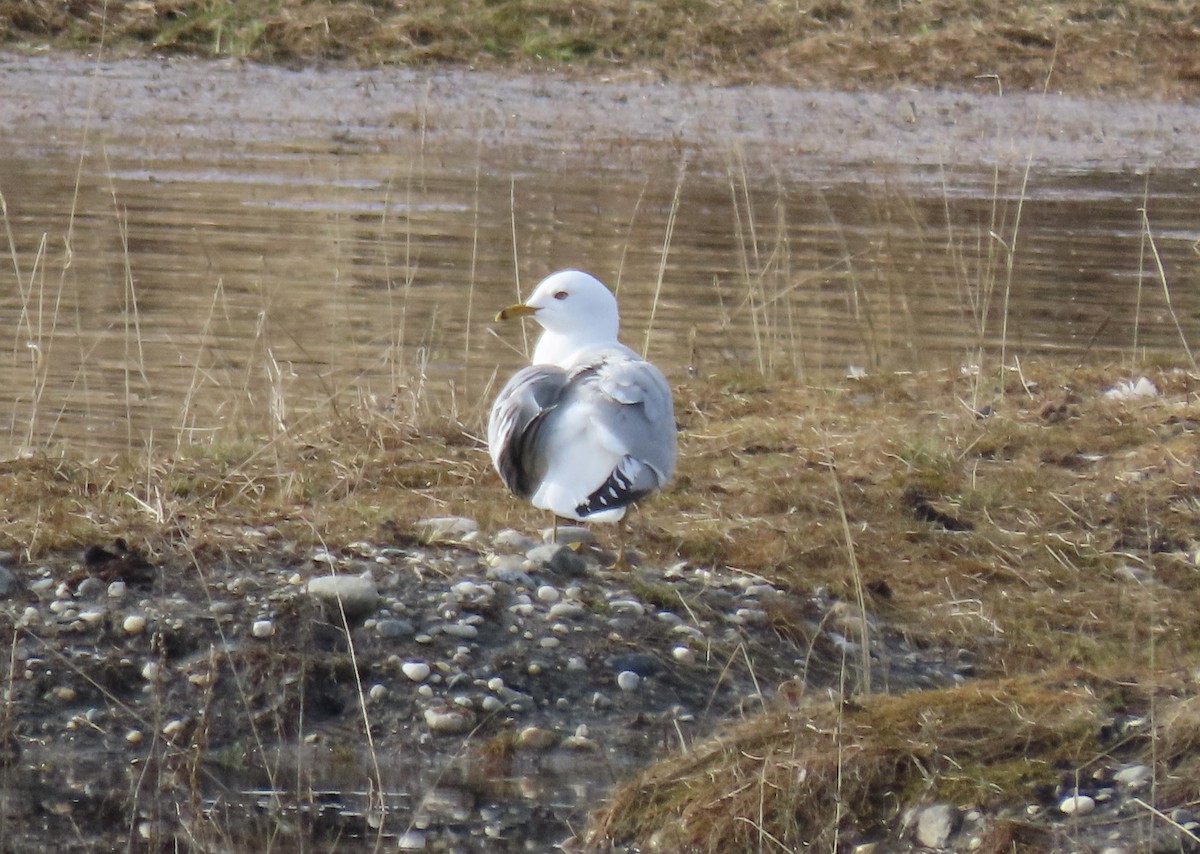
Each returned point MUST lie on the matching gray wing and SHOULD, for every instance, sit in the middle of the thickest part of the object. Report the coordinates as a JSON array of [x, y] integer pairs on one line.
[[518, 416], [632, 402]]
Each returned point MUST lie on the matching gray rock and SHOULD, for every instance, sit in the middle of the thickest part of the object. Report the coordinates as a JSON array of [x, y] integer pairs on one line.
[[8, 582], [514, 540], [936, 824], [561, 560], [90, 588], [447, 527], [395, 628], [1133, 777], [358, 595]]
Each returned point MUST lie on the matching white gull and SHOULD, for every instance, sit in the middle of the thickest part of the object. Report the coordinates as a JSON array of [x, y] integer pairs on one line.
[[588, 428]]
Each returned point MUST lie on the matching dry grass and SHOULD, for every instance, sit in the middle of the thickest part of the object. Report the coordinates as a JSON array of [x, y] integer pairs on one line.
[[803, 776], [1059, 532], [1148, 46]]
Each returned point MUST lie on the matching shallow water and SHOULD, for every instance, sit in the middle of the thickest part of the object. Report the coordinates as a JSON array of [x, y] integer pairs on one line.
[[198, 250]]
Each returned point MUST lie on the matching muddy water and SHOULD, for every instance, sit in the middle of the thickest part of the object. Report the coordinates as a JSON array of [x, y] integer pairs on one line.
[[200, 250]]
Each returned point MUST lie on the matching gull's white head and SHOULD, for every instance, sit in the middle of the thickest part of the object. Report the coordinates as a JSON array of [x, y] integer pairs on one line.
[[576, 310]]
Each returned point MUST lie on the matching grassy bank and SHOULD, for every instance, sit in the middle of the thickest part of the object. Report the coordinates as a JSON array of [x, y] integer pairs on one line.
[[1146, 47], [1035, 521]]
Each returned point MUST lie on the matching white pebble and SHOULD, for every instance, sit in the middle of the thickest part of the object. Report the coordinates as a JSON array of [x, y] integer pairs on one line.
[[116, 590], [627, 680], [377, 692], [417, 671], [262, 629], [627, 606], [683, 655], [134, 624], [495, 684], [549, 643], [134, 736], [91, 617], [546, 593], [151, 671], [1076, 805], [491, 704]]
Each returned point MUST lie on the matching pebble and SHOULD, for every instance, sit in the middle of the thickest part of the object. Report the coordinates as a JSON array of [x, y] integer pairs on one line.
[[627, 607], [1076, 804], [134, 624], [134, 736], [417, 671], [411, 840], [514, 540], [359, 596], [566, 611], [394, 627], [116, 590], [8, 582], [91, 588], [465, 631], [262, 629], [92, 616], [546, 593], [683, 655], [627, 680], [448, 720], [936, 823], [377, 692], [1133, 777], [447, 527], [536, 738]]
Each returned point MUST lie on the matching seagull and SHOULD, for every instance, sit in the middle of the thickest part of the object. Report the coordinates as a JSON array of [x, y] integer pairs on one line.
[[588, 428]]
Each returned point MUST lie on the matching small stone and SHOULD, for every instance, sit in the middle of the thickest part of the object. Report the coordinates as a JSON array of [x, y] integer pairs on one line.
[[395, 627], [1133, 777], [567, 563], [546, 593], [262, 629], [448, 720], [91, 588], [117, 589], [134, 736], [92, 616], [581, 743], [566, 611], [172, 729], [536, 738], [460, 630], [936, 824], [491, 704], [377, 692], [417, 671], [64, 693], [683, 655], [627, 680], [447, 527], [8, 582], [151, 671], [134, 624], [1076, 804], [514, 540], [627, 607], [549, 643], [358, 596], [411, 840]]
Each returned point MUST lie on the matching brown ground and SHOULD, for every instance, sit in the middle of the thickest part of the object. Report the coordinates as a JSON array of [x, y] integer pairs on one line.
[[1143, 48]]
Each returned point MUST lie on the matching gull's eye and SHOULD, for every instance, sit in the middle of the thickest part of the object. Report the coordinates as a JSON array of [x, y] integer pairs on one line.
[[561, 295]]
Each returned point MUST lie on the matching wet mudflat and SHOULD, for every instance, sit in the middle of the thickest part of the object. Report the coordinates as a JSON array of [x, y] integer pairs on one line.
[[205, 253], [203, 249]]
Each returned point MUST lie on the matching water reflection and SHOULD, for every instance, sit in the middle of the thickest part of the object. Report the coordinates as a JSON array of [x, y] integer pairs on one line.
[[158, 297]]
